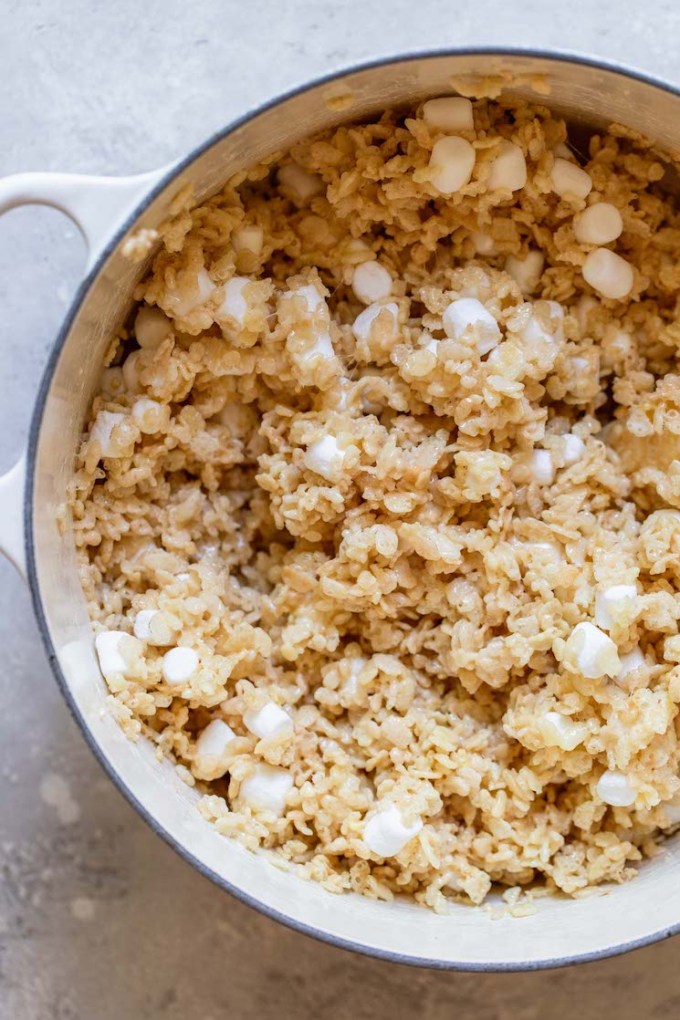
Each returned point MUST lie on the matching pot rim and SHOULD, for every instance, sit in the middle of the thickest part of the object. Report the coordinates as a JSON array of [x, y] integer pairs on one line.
[[558, 56]]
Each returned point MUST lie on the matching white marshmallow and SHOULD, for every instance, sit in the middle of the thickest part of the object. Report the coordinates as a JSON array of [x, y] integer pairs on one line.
[[267, 789], [211, 747], [470, 314], [526, 272], [563, 150], [631, 661], [385, 833], [102, 431], [449, 113], [569, 180], [484, 244], [533, 332], [131, 372], [184, 302], [299, 183], [142, 627], [179, 665], [614, 604], [542, 467], [371, 282], [363, 323], [321, 348], [573, 448], [608, 274], [325, 458], [600, 223], [561, 731], [233, 305], [147, 415], [151, 326], [613, 788], [114, 649], [509, 168], [430, 344], [451, 163], [549, 552], [269, 721], [592, 652], [248, 238], [313, 300]]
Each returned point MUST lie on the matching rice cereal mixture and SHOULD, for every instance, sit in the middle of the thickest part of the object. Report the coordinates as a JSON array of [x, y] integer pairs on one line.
[[378, 508]]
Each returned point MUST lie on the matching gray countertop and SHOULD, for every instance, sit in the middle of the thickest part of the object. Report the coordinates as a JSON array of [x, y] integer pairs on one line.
[[99, 920]]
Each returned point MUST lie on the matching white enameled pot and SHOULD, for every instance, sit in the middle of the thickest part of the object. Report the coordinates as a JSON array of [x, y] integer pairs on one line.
[[108, 210]]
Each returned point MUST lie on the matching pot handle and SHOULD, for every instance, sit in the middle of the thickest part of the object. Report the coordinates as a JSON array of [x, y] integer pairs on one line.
[[96, 205]]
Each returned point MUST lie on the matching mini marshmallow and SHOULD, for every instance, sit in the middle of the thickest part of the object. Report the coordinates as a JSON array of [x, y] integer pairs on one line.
[[269, 721], [631, 661], [608, 274], [451, 163], [233, 305], [115, 649], [573, 448], [321, 348], [561, 731], [148, 415], [179, 665], [299, 183], [533, 332], [526, 272], [151, 327], [211, 747], [267, 789], [614, 605], [385, 833], [102, 432], [325, 458], [563, 150], [131, 372], [569, 180], [449, 113], [248, 238], [484, 244], [430, 344], [613, 788], [310, 295], [508, 169], [541, 467], [142, 626], [112, 381], [600, 223], [592, 652], [371, 282], [363, 323], [548, 551], [470, 314], [183, 303]]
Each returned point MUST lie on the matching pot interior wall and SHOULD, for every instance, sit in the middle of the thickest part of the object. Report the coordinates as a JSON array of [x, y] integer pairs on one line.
[[590, 97]]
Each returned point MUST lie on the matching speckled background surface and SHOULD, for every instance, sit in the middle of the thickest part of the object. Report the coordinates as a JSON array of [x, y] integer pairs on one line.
[[99, 920]]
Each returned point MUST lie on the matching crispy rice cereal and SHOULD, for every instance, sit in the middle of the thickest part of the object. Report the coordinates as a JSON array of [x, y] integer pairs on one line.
[[378, 508]]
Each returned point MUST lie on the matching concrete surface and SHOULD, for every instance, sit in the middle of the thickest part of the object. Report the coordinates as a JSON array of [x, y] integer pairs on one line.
[[98, 919]]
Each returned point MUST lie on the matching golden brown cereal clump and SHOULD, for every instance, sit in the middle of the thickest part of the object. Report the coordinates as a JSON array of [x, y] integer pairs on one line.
[[392, 455]]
